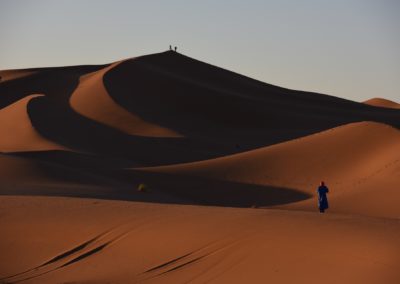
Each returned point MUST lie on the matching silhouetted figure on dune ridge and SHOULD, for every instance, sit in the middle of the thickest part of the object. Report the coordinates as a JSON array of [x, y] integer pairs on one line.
[[322, 198], [175, 48]]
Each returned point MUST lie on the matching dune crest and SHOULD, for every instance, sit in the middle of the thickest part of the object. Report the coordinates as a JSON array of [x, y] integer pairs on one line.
[[8, 75], [92, 100], [16, 130], [380, 102]]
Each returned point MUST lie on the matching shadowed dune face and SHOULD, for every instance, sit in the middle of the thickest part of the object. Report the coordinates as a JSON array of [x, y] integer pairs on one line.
[[91, 100], [57, 83], [17, 132], [31, 174], [170, 87], [352, 159], [218, 192], [60, 123], [331, 154], [167, 108], [26, 174]]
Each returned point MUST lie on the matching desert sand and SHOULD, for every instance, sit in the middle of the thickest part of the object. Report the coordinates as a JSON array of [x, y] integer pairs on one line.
[[230, 167], [381, 102]]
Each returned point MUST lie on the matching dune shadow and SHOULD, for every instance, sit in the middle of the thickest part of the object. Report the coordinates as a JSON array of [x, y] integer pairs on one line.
[[217, 111], [77, 160], [58, 122], [168, 88], [53, 179], [212, 192], [55, 82]]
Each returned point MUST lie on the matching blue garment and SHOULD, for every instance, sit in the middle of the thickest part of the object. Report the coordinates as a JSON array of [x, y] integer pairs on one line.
[[322, 198]]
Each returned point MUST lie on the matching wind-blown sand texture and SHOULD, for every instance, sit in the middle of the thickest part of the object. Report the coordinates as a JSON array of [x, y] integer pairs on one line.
[[230, 167]]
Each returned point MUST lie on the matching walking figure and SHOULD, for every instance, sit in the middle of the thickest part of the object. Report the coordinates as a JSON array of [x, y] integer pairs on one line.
[[322, 198], [170, 47], [176, 48]]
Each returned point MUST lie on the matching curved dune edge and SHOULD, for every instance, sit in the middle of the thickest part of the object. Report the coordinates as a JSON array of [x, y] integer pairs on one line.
[[92, 100], [8, 75], [17, 132], [302, 162], [367, 172], [380, 102]]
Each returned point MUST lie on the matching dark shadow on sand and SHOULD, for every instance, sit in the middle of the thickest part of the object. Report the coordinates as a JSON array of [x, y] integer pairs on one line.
[[207, 102], [55, 82], [60, 123], [205, 191], [219, 112], [93, 181]]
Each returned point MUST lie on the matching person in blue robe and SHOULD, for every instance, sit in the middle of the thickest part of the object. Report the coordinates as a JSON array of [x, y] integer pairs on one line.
[[322, 198]]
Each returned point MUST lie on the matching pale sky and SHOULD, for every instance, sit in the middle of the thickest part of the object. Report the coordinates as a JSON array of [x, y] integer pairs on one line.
[[345, 48]]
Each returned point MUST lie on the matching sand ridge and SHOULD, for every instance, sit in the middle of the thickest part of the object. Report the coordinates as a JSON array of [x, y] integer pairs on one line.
[[92, 100], [176, 107], [381, 102], [17, 131]]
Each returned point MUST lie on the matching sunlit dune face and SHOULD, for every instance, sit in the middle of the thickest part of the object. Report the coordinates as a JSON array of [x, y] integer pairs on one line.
[[380, 102], [92, 100], [17, 132]]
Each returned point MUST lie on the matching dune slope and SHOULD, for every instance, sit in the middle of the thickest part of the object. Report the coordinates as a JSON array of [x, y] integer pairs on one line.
[[92, 100], [16, 130], [142, 243], [350, 158], [380, 102], [168, 102]]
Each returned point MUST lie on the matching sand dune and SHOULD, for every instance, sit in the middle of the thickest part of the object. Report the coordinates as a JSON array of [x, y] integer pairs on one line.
[[380, 102], [350, 158], [7, 75], [54, 82], [81, 139], [211, 104], [92, 100], [175, 107], [16, 130]]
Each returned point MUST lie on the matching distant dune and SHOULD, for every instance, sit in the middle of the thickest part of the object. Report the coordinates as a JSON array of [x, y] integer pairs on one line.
[[173, 106], [166, 169], [380, 102], [8, 75]]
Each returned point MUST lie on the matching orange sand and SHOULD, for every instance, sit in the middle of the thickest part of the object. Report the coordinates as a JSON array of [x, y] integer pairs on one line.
[[230, 167]]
